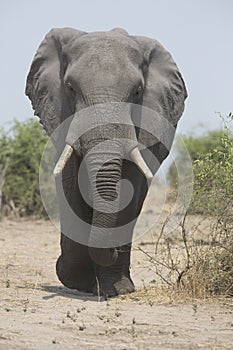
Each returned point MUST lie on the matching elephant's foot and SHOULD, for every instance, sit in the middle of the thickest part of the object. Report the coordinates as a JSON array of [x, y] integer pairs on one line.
[[109, 289], [112, 281], [115, 279], [74, 276]]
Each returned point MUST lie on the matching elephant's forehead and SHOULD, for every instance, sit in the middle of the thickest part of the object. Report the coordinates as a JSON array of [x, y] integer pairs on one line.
[[107, 44]]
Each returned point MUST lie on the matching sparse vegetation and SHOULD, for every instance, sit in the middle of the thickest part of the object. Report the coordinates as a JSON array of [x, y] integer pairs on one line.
[[201, 260], [21, 148]]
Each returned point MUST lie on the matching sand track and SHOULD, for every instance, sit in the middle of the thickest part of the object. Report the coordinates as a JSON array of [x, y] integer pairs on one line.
[[37, 312]]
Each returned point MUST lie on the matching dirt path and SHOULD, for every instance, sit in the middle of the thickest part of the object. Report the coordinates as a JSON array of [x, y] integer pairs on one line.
[[37, 312]]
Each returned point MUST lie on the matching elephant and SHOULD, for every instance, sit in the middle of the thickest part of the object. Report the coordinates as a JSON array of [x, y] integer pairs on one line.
[[112, 76]]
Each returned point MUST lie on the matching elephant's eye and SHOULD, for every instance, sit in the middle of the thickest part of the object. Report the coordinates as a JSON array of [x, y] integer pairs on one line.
[[138, 91], [70, 87]]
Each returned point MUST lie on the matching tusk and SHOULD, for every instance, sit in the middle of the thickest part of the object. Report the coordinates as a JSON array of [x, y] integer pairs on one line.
[[64, 157], [137, 158]]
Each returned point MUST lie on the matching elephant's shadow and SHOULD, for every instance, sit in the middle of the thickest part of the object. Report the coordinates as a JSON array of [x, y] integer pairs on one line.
[[61, 291]]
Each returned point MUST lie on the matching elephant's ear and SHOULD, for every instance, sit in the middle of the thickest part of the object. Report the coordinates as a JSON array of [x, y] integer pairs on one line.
[[164, 93], [44, 84]]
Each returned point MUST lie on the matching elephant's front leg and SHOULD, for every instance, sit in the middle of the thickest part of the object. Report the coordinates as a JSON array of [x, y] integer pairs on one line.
[[74, 267], [115, 279]]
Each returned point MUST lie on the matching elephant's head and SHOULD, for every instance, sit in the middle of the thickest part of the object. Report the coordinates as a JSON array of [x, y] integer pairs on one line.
[[73, 70]]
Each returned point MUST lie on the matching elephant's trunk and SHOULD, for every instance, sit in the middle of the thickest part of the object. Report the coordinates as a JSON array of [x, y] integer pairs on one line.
[[104, 171]]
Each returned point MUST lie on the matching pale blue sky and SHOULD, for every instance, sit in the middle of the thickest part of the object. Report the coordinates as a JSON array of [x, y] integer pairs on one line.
[[198, 33]]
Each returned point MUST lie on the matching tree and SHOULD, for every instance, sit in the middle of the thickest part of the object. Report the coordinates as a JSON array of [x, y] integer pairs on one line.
[[3, 169]]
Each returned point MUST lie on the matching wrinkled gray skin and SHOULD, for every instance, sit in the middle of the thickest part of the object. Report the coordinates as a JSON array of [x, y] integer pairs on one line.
[[71, 71]]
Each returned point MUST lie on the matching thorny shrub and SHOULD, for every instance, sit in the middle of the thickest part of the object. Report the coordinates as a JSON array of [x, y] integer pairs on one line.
[[198, 256]]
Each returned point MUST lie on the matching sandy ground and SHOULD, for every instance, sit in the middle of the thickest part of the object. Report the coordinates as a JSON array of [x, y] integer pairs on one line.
[[37, 312]]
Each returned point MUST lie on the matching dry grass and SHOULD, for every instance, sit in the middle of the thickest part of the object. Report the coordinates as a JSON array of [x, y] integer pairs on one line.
[[212, 274], [163, 295], [194, 262]]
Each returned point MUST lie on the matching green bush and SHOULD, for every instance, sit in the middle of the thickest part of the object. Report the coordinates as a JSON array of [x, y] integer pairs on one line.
[[212, 159], [22, 147], [213, 191], [197, 147]]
